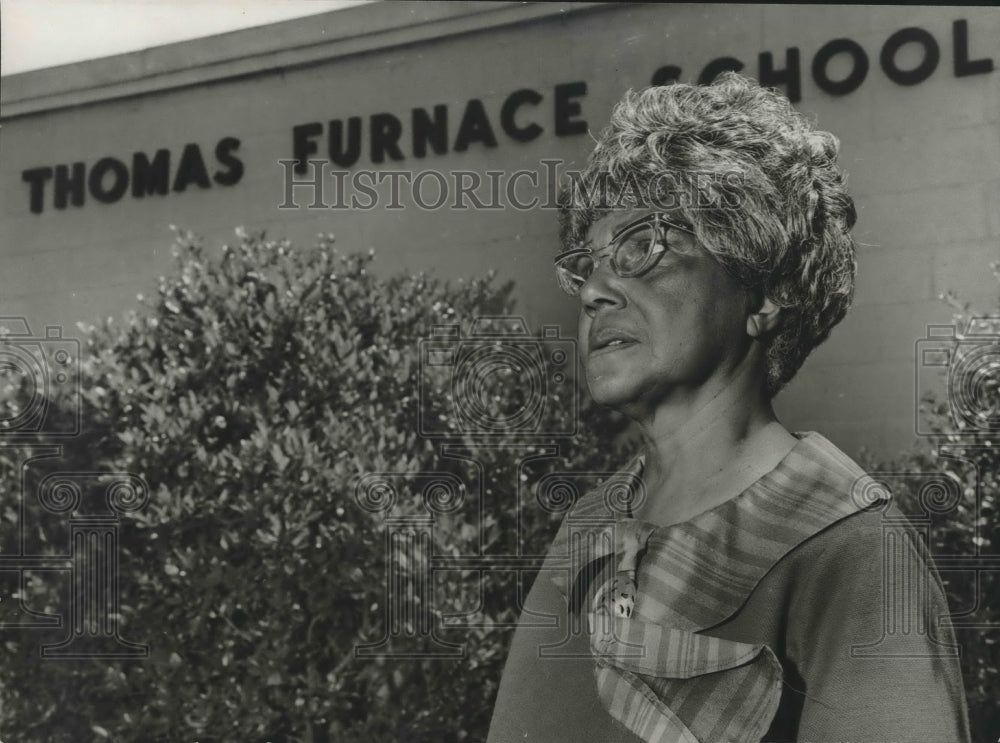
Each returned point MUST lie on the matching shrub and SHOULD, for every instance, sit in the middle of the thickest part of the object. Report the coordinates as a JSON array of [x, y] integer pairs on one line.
[[251, 394]]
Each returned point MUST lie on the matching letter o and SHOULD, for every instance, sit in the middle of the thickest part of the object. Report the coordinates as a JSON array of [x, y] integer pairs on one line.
[[932, 55], [827, 52], [95, 181]]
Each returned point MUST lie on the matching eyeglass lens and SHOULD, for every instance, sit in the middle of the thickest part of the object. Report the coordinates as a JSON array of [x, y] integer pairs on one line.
[[630, 253]]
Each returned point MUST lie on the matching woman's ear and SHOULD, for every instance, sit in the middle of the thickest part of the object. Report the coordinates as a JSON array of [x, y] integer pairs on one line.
[[764, 319]]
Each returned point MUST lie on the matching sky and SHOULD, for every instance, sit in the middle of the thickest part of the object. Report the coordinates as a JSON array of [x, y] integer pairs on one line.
[[45, 33]]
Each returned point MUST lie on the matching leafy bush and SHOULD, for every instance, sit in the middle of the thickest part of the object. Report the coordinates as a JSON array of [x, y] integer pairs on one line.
[[951, 480], [251, 394]]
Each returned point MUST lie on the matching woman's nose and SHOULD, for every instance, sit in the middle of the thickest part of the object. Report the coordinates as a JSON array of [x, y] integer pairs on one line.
[[602, 289]]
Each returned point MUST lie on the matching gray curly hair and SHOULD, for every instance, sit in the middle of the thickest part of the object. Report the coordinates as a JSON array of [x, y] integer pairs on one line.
[[771, 204]]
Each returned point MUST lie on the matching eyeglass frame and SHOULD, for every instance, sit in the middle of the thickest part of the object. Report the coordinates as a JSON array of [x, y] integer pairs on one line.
[[658, 221]]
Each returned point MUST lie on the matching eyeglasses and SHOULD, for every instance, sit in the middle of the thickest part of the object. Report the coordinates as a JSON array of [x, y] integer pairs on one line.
[[633, 250]]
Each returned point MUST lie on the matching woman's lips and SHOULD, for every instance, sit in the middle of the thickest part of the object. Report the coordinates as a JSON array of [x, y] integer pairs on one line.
[[602, 337], [615, 345]]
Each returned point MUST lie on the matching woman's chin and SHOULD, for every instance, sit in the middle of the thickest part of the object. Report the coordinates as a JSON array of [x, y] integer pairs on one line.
[[612, 391]]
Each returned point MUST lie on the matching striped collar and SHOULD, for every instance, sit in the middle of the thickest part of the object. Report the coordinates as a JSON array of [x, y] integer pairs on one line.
[[691, 577], [715, 559]]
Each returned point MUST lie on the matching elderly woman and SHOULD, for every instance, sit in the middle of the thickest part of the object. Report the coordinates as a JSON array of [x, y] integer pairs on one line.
[[735, 581]]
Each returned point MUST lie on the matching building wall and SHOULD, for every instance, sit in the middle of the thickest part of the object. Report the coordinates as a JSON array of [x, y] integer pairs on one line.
[[923, 158]]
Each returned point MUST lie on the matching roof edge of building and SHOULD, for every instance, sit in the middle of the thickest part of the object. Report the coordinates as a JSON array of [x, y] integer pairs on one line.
[[292, 43]]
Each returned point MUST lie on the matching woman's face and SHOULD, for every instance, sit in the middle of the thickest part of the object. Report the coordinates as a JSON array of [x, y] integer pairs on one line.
[[670, 331]]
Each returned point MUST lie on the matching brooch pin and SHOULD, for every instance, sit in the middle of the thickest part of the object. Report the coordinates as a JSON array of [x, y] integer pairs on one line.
[[624, 588]]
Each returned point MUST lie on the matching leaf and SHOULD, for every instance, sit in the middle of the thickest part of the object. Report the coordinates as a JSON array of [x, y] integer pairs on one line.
[[279, 457]]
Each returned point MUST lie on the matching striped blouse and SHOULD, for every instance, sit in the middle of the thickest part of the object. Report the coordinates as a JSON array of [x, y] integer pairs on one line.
[[763, 618]]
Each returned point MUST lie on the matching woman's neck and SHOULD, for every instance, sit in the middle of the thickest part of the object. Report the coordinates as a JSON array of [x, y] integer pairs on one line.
[[702, 453]]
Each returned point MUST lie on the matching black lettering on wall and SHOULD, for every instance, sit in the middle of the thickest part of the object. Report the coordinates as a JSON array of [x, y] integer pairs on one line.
[[858, 72], [960, 43], [67, 185], [666, 75], [430, 132], [36, 177], [303, 145], [150, 178], [509, 111], [475, 127], [191, 169], [790, 76], [97, 180], [345, 155], [386, 130], [929, 63], [233, 166], [566, 109]]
